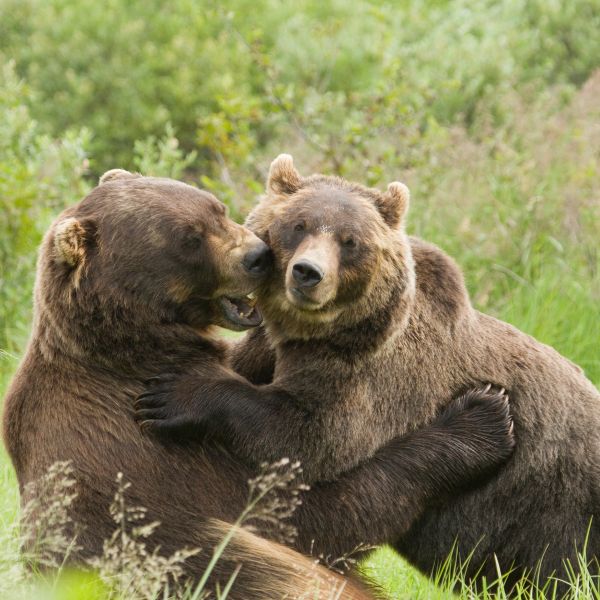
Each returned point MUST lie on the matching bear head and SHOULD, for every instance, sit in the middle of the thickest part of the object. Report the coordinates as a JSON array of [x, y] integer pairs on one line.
[[341, 256], [152, 249]]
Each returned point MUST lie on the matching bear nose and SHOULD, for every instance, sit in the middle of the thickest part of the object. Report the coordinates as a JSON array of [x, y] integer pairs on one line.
[[307, 274], [258, 260]]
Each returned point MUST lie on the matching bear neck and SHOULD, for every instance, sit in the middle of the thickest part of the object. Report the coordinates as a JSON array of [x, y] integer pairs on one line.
[[388, 320], [113, 334]]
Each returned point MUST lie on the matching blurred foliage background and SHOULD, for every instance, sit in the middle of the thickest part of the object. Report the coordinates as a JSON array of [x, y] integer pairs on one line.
[[489, 111]]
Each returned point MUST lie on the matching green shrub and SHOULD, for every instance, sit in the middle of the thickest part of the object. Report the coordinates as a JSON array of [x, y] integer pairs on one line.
[[162, 156], [124, 69], [38, 176]]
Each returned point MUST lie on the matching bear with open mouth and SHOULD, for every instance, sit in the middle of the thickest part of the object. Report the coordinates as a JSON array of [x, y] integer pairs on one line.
[[131, 282]]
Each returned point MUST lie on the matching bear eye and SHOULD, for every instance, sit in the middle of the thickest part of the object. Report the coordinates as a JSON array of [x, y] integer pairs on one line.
[[193, 242], [349, 242], [300, 226]]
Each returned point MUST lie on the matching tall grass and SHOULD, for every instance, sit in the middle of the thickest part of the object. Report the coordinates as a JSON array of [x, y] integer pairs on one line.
[[35, 553]]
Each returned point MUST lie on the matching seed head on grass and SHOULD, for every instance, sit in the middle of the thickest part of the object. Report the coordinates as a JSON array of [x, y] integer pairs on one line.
[[273, 497], [126, 565], [48, 534]]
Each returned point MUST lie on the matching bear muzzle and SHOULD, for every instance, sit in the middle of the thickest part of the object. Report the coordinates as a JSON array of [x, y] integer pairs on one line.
[[258, 262]]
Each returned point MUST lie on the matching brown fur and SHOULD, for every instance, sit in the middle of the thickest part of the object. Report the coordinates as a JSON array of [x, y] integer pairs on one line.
[[380, 354], [437, 344], [109, 313], [129, 283]]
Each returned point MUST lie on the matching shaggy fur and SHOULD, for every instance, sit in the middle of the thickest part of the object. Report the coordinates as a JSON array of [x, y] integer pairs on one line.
[[375, 354], [129, 283]]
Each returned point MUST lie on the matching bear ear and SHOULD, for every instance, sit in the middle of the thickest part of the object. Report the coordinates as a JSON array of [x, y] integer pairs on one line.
[[69, 242], [283, 177], [393, 204], [115, 174]]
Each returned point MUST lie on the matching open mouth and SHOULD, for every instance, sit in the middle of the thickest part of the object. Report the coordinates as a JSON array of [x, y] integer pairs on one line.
[[241, 312]]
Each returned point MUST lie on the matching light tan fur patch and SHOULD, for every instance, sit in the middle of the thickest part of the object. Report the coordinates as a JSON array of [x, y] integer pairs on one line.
[[283, 177], [69, 238], [178, 290]]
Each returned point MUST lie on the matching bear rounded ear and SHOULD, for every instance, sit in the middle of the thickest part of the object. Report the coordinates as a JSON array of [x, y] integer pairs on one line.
[[115, 174], [283, 177], [69, 242], [393, 204]]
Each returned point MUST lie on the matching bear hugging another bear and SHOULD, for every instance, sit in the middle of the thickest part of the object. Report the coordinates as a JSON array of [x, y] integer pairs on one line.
[[373, 331], [130, 282]]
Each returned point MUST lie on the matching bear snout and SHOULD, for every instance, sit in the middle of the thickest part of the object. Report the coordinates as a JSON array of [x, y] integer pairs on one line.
[[258, 262], [307, 274]]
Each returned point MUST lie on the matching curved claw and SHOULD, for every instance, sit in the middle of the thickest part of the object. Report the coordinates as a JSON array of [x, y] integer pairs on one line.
[[160, 378], [163, 425], [147, 413], [148, 424], [146, 394]]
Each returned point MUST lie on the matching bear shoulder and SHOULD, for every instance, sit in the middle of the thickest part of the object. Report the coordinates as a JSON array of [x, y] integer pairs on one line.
[[439, 280]]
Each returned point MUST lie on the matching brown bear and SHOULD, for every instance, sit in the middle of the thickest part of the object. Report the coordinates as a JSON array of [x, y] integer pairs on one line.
[[130, 282], [371, 332]]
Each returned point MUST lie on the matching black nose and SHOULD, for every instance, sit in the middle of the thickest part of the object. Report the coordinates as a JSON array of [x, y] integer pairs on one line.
[[258, 261], [307, 274]]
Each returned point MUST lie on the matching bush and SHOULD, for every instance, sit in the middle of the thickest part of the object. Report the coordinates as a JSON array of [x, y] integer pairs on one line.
[[124, 69], [38, 177]]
